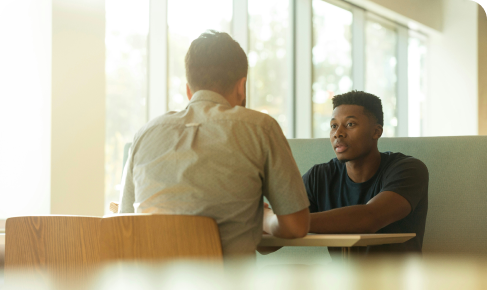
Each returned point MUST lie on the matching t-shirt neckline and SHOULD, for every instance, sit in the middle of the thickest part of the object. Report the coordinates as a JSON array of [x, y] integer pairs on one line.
[[368, 182]]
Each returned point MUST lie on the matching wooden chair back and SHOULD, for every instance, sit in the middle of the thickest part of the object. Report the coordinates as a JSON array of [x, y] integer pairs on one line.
[[63, 248], [159, 238]]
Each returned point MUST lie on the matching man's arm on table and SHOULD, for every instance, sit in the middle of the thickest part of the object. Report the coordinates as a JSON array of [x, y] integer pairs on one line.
[[385, 208], [290, 226]]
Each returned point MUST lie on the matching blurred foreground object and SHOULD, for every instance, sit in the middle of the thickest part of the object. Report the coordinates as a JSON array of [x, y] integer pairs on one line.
[[158, 238], [114, 207], [62, 249], [377, 274]]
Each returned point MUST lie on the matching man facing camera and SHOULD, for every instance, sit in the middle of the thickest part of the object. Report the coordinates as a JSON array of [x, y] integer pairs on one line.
[[216, 158], [363, 190]]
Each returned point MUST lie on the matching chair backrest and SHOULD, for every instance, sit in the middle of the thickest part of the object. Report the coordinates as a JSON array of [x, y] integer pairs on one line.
[[457, 219], [158, 238], [64, 248]]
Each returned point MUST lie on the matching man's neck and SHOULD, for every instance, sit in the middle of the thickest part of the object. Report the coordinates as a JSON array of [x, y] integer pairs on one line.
[[361, 170]]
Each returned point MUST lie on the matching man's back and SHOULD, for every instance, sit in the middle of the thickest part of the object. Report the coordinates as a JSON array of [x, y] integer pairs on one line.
[[214, 160]]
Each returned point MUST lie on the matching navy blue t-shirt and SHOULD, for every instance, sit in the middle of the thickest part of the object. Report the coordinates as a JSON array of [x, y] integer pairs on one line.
[[329, 187]]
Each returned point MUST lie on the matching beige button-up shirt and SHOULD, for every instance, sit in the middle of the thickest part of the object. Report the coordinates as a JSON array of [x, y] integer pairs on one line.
[[214, 160]]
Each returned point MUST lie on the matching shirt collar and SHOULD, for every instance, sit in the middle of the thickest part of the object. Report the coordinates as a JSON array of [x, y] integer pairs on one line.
[[208, 96]]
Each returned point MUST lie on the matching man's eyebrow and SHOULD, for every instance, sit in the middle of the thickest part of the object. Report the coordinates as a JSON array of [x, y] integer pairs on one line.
[[348, 117]]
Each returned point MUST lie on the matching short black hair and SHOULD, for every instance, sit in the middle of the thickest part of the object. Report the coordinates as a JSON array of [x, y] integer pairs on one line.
[[371, 103], [215, 61]]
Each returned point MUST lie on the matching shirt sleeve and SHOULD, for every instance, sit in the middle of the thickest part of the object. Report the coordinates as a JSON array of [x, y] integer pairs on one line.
[[309, 181], [282, 184], [127, 194], [408, 178]]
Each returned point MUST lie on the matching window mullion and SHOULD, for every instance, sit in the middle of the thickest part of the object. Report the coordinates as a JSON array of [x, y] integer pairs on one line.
[[303, 68], [358, 49], [291, 97], [240, 30], [402, 103]]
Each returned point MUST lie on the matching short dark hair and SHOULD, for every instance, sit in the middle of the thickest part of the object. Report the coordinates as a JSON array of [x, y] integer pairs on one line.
[[371, 103], [215, 62]]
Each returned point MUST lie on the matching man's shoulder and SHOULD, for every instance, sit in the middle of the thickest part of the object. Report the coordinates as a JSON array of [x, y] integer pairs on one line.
[[249, 116], [222, 115], [400, 160], [166, 118]]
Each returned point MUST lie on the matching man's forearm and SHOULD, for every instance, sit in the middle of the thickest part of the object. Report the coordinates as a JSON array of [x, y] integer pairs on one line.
[[345, 220], [271, 226], [291, 226]]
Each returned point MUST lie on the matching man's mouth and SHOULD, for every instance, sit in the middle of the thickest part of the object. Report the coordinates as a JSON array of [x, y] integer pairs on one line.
[[339, 148]]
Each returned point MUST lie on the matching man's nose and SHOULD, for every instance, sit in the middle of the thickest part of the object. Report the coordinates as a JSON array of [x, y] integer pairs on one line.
[[339, 133]]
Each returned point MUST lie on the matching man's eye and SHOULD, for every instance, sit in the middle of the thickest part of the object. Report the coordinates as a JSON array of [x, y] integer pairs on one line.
[[350, 124], [333, 126]]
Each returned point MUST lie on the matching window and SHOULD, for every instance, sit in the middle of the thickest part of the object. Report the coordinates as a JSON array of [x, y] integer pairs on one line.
[[381, 69], [301, 54], [416, 83], [184, 25], [332, 61], [127, 28], [269, 58]]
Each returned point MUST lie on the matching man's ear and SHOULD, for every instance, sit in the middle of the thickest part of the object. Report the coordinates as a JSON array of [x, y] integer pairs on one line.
[[378, 130], [189, 94], [241, 85], [242, 90]]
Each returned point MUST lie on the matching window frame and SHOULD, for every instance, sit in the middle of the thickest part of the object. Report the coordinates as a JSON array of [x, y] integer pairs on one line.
[[300, 106]]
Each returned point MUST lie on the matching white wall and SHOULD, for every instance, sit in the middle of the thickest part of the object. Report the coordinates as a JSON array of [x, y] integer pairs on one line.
[[25, 107], [452, 100], [78, 107]]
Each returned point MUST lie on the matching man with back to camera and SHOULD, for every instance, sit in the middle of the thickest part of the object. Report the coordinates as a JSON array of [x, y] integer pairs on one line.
[[216, 158], [363, 190]]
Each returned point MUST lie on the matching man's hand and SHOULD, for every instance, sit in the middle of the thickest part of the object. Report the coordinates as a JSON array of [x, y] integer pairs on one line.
[[114, 207], [267, 250], [268, 214]]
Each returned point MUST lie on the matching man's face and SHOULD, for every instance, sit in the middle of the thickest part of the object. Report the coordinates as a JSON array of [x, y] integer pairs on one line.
[[353, 134]]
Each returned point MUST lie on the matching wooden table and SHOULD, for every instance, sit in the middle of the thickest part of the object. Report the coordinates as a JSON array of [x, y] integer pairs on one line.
[[344, 241], [312, 240]]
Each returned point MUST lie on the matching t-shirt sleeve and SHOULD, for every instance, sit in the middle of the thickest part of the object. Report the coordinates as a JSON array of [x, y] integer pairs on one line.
[[408, 178], [309, 180], [282, 184]]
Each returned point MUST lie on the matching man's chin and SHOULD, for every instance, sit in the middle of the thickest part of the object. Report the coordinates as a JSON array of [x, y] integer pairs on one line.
[[342, 160]]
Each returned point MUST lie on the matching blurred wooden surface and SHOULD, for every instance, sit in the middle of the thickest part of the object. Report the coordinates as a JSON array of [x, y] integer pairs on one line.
[[336, 240], [61, 247], [386, 273], [159, 238]]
